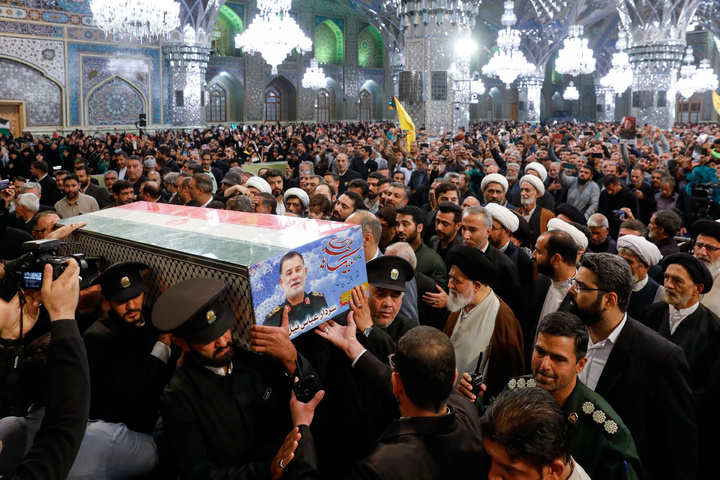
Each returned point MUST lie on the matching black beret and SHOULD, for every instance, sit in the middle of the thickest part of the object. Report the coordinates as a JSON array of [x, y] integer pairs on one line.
[[711, 228], [571, 212], [191, 310], [389, 272], [473, 263], [122, 281], [697, 269]]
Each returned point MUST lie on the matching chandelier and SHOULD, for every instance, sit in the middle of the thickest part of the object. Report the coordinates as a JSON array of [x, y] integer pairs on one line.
[[314, 77], [455, 12], [575, 58], [477, 87], [705, 79], [686, 85], [273, 34], [508, 63], [620, 76], [571, 93], [139, 18]]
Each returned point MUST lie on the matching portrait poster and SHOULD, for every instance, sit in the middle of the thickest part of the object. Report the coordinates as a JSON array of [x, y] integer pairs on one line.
[[628, 130], [313, 283]]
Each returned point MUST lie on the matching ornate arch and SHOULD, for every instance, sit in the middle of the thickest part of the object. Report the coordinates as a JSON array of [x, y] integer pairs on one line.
[[371, 48], [329, 43], [114, 101]]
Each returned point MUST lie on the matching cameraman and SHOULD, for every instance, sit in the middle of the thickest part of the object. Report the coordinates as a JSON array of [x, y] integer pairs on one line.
[[67, 393]]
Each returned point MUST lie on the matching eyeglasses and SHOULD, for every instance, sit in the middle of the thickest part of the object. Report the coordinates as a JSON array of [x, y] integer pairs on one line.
[[708, 248], [577, 286]]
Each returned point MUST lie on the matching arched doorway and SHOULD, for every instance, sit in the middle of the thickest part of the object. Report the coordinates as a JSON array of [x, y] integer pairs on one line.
[[217, 108], [365, 106], [280, 100], [322, 106]]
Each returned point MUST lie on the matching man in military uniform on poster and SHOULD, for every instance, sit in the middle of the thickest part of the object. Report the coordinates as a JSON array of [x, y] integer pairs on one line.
[[299, 304]]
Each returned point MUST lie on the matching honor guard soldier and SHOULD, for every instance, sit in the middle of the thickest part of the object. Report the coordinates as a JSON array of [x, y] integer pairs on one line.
[[225, 410], [300, 304]]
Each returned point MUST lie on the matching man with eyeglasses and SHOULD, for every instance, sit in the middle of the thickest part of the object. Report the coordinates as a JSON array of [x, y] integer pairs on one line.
[[643, 376], [706, 238], [696, 329]]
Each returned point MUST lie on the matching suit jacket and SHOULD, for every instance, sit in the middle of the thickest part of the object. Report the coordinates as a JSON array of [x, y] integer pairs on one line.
[[415, 448], [647, 381], [524, 264], [538, 221], [345, 179], [431, 316], [506, 355], [530, 323], [49, 187], [226, 426], [100, 194]]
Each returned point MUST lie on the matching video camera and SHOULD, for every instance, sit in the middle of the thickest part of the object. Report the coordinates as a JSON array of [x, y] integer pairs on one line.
[[703, 192], [27, 270]]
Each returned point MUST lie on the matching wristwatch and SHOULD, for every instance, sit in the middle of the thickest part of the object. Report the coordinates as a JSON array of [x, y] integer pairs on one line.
[[367, 331]]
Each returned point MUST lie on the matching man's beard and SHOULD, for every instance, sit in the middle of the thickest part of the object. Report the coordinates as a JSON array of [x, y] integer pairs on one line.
[[712, 266], [583, 181], [526, 202], [673, 298], [589, 316], [456, 300], [372, 196], [216, 361], [546, 268], [276, 192]]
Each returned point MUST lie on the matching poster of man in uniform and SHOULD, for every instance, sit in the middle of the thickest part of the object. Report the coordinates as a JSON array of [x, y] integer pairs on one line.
[[312, 283], [628, 130]]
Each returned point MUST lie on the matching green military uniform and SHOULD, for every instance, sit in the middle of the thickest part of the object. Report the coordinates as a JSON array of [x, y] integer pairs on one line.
[[600, 441], [312, 304]]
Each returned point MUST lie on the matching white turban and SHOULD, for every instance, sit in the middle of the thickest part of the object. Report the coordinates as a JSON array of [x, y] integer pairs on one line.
[[539, 168], [494, 178], [259, 183], [299, 193], [503, 215], [537, 183], [644, 250], [579, 237]]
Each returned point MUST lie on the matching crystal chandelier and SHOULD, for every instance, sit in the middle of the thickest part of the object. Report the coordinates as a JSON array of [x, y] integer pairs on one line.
[[508, 63], [273, 34], [620, 76], [575, 58], [686, 84], [477, 87], [456, 12], [314, 77], [139, 18], [705, 79], [571, 93]]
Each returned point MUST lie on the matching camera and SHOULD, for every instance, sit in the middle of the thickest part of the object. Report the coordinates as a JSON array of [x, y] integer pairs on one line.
[[27, 270], [619, 215], [476, 379]]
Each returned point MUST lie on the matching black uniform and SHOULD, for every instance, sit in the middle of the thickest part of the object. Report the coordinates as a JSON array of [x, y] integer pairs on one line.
[[312, 304]]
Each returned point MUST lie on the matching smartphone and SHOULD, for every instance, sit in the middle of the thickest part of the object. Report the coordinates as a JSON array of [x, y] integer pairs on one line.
[[306, 388], [570, 166]]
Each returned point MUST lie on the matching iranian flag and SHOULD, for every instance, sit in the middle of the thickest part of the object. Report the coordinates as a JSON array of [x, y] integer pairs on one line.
[[4, 127]]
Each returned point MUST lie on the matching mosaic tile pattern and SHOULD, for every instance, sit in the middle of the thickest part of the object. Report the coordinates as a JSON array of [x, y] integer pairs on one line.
[[352, 86], [76, 52], [30, 29], [370, 48], [98, 69], [95, 35], [47, 55], [43, 101], [115, 103]]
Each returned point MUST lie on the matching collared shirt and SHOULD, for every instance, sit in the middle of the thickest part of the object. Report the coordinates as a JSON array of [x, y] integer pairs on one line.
[[84, 204], [122, 174], [598, 354], [504, 247], [220, 370], [554, 297], [640, 285], [484, 249], [207, 203], [677, 316], [529, 214]]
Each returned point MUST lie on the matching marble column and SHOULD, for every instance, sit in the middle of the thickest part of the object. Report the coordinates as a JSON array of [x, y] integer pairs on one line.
[[529, 93], [605, 104], [188, 64]]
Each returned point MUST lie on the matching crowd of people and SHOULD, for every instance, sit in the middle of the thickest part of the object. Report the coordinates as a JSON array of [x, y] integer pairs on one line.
[[543, 302]]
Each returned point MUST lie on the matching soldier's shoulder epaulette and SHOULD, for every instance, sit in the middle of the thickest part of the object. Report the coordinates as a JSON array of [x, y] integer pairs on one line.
[[316, 294], [599, 417], [521, 382], [274, 311]]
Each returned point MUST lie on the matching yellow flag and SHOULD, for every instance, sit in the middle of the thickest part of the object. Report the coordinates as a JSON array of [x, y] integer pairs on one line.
[[406, 123], [716, 102]]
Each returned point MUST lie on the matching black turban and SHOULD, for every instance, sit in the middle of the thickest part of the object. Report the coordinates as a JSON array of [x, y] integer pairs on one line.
[[473, 263], [571, 212], [697, 269], [711, 228]]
